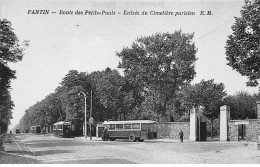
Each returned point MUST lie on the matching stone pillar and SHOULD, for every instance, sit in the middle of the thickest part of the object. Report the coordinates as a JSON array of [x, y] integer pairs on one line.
[[258, 129], [224, 117], [193, 123]]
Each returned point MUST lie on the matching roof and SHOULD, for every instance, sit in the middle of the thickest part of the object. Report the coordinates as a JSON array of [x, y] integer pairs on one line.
[[130, 121], [36, 126], [62, 122]]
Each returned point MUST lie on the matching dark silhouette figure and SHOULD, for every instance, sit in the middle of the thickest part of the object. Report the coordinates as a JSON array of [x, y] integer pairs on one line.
[[105, 134], [181, 136]]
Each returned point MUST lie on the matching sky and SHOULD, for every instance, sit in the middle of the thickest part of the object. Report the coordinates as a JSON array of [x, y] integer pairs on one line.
[[87, 43]]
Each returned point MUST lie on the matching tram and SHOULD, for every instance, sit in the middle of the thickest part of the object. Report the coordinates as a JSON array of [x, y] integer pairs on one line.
[[133, 130], [62, 129], [36, 129]]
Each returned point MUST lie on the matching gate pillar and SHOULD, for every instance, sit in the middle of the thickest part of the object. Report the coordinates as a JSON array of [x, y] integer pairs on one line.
[[224, 117], [194, 113], [258, 117]]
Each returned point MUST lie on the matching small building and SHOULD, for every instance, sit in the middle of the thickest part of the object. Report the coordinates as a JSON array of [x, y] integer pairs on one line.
[[239, 130], [242, 130]]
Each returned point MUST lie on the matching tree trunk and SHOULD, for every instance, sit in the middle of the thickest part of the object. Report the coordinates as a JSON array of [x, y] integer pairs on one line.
[[212, 128]]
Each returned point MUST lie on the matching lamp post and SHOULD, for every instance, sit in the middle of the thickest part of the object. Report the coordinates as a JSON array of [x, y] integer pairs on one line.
[[91, 115], [85, 96]]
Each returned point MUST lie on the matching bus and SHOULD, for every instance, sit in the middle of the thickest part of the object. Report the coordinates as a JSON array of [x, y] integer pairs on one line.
[[17, 131], [36, 129], [134, 130], [62, 129]]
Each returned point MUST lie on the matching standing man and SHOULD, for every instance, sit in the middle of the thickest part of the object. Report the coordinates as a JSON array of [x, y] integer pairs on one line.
[[105, 138], [181, 136]]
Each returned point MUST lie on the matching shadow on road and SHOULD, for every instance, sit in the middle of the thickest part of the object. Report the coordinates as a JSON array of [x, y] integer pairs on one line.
[[46, 152], [11, 158], [96, 161]]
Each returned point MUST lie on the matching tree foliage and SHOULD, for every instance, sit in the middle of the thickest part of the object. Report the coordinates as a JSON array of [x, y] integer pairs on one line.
[[242, 46], [242, 105], [207, 94], [159, 65], [11, 50]]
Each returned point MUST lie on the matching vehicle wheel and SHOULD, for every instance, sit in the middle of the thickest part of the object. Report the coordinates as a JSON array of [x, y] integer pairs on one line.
[[106, 138], [140, 140], [103, 137], [132, 137]]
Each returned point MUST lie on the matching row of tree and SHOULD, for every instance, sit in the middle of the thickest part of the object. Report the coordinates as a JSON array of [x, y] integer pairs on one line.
[[11, 51], [114, 97], [156, 85], [155, 69]]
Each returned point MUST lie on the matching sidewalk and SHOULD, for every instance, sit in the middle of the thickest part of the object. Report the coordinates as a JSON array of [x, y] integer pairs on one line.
[[98, 139], [82, 138], [12, 154]]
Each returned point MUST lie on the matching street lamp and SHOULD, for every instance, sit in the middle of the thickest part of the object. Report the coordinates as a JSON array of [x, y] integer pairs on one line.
[[85, 96], [91, 119]]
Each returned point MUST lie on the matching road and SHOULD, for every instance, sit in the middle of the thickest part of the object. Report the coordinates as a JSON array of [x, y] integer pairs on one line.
[[48, 149]]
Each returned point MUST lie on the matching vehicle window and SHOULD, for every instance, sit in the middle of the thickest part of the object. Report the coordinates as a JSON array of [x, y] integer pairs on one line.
[[54, 126], [127, 126], [112, 127], [135, 126], [119, 126], [145, 126], [59, 126], [66, 127]]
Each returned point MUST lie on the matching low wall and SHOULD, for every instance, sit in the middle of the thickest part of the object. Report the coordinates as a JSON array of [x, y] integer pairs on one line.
[[171, 130], [251, 130]]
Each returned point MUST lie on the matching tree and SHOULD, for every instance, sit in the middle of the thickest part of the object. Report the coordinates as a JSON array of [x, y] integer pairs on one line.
[[107, 92], [242, 105], [11, 50], [242, 46], [160, 63], [208, 95], [6, 106]]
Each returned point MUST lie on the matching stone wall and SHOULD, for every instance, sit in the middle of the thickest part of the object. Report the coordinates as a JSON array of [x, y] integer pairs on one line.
[[258, 127], [170, 130], [251, 129], [232, 131]]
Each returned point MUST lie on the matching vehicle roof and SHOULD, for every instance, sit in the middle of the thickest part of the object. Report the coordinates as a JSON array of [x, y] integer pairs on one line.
[[130, 121], [36, 126], [63, 122]]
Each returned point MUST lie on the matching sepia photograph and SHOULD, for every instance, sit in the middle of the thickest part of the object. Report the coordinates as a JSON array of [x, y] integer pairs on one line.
[[130, 82]]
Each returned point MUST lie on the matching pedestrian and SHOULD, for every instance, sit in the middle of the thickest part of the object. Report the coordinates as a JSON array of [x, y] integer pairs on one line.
[[105, 133], [181, 136]]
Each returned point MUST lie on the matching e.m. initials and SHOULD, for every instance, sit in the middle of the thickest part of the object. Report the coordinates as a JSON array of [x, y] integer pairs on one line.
[[206, 12]]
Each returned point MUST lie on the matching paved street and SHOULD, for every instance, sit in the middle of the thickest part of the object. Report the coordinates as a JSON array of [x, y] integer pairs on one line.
[[79, 150]]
